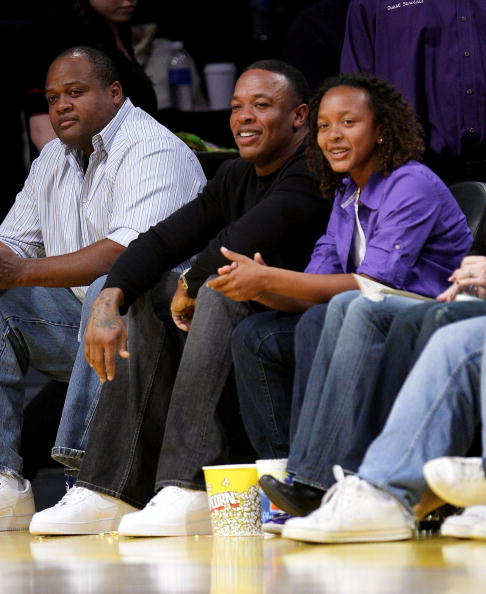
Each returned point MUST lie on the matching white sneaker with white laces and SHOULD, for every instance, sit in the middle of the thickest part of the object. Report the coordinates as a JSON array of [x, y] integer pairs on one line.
[[174, 511], [81, 511], [16, 503], [463, 525], [460, 481], [353, 510]]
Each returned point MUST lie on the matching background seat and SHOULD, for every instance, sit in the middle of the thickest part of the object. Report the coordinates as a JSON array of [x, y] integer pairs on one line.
[[471, 196]]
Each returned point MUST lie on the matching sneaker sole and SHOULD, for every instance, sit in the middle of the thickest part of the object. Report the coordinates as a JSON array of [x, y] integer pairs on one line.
[[295, 533], [272, 528], [59, 529], [193, 529], [14, 523]]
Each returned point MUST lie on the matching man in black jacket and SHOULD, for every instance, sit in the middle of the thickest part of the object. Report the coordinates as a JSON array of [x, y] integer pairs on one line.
[[162, 396]]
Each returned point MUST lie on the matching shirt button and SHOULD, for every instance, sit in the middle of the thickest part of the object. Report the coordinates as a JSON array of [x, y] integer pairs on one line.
[[397, 246], [467, 54], [469, 91], [463, 18]]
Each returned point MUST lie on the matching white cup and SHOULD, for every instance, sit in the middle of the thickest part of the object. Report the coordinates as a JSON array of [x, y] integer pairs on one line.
[[220, 83], [277, 468]]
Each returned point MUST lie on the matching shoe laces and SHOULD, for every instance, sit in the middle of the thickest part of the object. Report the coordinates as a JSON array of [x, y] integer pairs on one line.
[[340, 494], [345, 494], [167, 495], [74, 495]]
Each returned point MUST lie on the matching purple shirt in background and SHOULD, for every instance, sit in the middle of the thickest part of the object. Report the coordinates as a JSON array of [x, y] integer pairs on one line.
[[416, 234], [434, 51]]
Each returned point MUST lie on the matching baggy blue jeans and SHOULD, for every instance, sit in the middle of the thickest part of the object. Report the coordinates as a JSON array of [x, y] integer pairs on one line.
[[38, 327], [435, 414]]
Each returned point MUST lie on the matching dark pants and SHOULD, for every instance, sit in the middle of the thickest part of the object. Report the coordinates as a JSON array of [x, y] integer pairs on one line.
[[157, 423]]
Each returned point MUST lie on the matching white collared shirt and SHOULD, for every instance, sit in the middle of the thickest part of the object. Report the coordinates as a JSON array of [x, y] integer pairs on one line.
[[138, 174], [359, 240]]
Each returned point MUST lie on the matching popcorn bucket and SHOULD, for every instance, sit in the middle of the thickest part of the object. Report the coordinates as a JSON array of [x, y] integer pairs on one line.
[[234, 499]]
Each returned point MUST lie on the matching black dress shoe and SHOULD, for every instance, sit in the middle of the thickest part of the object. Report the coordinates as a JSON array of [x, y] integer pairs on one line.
[[296, 499]]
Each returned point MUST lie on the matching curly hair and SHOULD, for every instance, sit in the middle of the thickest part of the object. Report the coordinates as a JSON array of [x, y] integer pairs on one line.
[[401, 132]]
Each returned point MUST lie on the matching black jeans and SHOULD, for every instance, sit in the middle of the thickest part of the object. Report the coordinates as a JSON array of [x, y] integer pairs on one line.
[[157, 422]]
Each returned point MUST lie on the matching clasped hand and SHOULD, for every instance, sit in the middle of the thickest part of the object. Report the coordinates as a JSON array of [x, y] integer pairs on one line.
[[472, 273], [241, 280]]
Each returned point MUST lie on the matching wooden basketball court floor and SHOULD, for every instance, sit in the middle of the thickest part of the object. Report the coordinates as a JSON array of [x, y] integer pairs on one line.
[[224, 565]]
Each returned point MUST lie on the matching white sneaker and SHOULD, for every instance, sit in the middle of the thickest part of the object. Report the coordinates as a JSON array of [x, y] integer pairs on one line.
[[353, 510], [81, 511], [460, 481], [478, 531], [16, 503], [462, 526], [174, 511]]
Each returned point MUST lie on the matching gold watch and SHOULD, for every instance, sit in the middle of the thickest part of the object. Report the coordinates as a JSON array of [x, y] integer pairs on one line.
[[183, 279]]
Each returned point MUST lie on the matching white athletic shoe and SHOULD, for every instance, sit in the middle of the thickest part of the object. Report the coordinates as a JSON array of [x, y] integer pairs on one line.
[[463, 525], [81, 511], [479, 530], [460, 481], [353, 510], [16, 503], [174, 511]]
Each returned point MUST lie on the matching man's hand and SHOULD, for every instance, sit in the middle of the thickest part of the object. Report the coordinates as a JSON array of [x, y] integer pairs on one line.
[[11, 267], [241, 280], [182, 308], [106, 334]]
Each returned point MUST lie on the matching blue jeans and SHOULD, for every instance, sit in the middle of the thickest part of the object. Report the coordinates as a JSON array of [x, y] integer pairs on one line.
[[435, 414], [81, 399], [409, 333], [345, 370], [267, 349], [39, 327], [157, 423]]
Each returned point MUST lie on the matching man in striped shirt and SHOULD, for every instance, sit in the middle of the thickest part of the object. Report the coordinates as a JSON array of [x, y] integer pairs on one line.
[[112, 173]]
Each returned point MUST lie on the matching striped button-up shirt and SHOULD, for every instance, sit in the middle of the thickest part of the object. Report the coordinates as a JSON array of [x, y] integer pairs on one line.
[[137, 175]]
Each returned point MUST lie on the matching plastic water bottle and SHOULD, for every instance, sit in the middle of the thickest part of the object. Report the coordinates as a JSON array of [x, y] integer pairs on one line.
[[180, 78]]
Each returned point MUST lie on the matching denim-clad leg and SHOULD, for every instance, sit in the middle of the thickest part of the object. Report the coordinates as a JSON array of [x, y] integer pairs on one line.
[[345, 369], [435, 414], [128, 424], [132, 417], [194, 436], [263, 356], [272, 354], [483, 404], [39, 327], [409, 334], [81, 398]]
